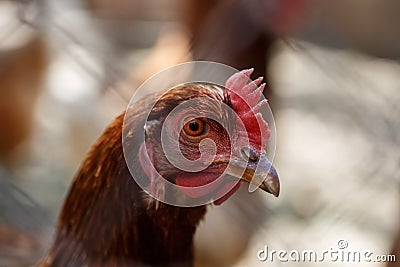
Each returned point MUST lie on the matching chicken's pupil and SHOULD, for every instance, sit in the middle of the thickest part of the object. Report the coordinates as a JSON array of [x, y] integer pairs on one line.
[[194, 126]]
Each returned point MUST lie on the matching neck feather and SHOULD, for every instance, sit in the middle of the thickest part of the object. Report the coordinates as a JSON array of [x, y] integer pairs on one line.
[[106, 219]]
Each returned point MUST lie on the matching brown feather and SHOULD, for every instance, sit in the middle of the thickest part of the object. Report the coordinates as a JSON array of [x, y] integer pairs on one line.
[[105, 219]]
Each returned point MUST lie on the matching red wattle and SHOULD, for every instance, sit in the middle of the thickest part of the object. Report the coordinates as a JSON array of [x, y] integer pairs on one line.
[[198, 185], [226, 187]]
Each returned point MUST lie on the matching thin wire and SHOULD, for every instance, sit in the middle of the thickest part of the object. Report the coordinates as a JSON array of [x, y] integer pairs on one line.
[[9, 29], [33, 22]]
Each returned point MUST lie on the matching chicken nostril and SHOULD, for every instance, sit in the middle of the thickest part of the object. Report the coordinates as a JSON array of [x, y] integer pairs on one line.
[[249, 154]]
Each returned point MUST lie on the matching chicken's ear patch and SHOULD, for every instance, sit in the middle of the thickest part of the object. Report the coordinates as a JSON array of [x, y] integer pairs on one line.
[[245, 101], [157, 183]]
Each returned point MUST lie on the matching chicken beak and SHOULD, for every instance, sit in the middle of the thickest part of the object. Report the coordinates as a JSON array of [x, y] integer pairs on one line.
[[271, 184], [257, 171]]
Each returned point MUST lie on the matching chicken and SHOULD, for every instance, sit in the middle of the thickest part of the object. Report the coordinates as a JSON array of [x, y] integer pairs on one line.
[[239, 34], [22, 71], [108, 219]]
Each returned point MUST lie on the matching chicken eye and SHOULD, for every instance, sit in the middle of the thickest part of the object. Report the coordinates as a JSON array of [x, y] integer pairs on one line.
[[194, 127]]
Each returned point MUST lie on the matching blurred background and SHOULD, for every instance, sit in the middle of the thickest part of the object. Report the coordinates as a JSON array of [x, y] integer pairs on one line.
[[67, 68]]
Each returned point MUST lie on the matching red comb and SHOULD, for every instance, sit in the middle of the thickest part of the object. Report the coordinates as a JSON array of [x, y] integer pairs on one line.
[[245, 98]]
